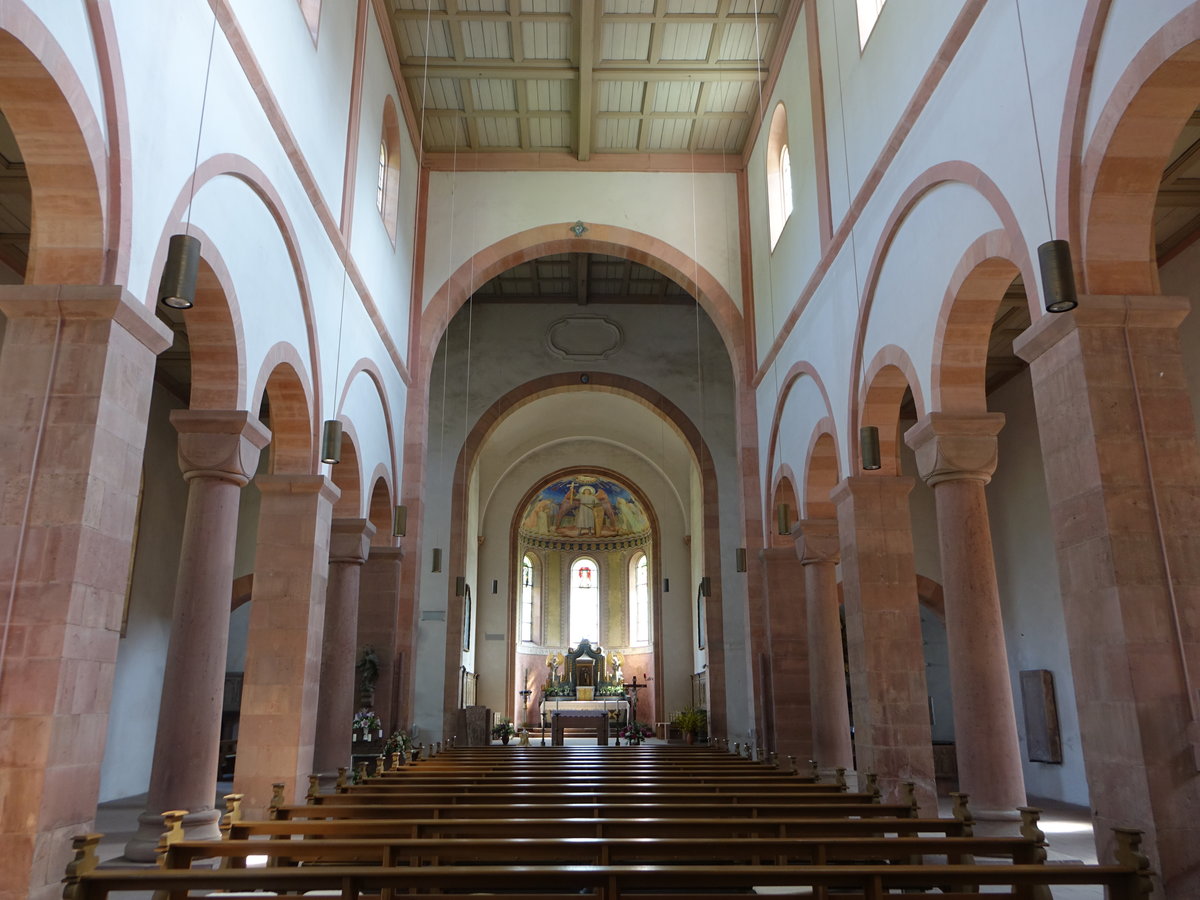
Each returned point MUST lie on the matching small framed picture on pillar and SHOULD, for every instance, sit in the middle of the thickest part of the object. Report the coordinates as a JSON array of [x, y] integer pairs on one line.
[[1043, 739]]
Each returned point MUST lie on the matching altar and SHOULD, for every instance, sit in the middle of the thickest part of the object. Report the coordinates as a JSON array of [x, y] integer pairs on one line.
[[610, 706]]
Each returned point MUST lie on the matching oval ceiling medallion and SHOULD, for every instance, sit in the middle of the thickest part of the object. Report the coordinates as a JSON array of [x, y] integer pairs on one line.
[[584, 338]]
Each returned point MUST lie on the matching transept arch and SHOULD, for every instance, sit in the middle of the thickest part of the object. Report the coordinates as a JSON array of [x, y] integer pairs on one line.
[[675, 419], [610, 240]]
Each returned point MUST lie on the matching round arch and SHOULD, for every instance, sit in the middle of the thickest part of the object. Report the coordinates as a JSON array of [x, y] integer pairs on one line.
[[64, 151], [952, 171], [347, 475], [889, 375], [1122, 165], [290, 397], [960, 347], [609, 240], [821, 471], [214, 330], [790, 380], [683, 426]]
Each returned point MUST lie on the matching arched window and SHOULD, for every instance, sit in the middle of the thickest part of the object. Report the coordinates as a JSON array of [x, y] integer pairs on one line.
[[868, 15], [387, 177], [779, 174], [639, 601], [585, 601], [526, 623]]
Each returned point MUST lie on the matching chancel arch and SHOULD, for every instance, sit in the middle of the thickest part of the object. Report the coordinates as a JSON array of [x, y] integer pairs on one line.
[[586, 540]]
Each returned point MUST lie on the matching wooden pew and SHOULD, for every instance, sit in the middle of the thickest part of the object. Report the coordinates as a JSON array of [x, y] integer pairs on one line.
[[683, 882]]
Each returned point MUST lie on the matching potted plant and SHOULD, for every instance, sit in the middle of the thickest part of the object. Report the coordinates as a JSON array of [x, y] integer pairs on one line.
[[691, 721], [636, 732], [503, 729]]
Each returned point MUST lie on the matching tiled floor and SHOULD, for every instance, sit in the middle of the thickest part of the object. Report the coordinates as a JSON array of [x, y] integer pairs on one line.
[[1068, 830]]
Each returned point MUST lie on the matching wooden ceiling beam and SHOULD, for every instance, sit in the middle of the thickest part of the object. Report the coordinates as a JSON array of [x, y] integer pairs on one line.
[[587, 55]]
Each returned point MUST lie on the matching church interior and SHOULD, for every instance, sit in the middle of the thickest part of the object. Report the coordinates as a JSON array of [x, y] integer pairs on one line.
[[382, 373]]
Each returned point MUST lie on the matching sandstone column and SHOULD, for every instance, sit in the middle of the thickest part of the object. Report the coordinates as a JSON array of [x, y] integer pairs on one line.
[[817, 550], [956, 455], [349, 543], [787, 655], [1123, 477], [218, 453], [883, 635], [75, 378], [283, 651], [381, 617]]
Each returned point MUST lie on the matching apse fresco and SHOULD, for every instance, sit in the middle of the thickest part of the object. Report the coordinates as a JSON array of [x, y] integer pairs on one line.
[[581, 506]]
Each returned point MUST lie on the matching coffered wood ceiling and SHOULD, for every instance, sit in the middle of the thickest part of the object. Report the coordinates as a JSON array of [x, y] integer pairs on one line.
[[586, 76]]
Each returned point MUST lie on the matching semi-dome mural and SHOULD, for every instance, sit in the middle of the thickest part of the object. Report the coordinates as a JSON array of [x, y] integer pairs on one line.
[[585, 507]]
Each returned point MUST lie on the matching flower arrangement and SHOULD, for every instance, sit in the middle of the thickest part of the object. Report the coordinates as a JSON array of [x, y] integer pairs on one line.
[[397, 742], [610, 689], [503, 729], [636, 732], [367, 724], [561, 689]]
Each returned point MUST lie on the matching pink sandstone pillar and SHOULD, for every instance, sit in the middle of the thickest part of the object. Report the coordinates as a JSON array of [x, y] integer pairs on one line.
[[283, 649], [1123, 477], [218, 453], [349, 543], [883, 635], [956, 455], [75, 377], [817, 550], [788, 715], [380, 617]]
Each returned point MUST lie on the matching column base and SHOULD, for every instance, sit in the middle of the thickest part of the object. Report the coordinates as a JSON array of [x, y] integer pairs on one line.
[[201, 825]]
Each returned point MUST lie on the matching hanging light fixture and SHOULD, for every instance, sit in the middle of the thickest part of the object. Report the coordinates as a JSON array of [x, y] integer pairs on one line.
[[331, 432], [399, 521], [740, 558], [868, 446], [1054, 256], [782, 512], [331, 442], [177, 286]]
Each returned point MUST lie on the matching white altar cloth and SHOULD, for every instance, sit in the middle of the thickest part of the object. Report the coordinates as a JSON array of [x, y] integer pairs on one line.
[[551, 705]]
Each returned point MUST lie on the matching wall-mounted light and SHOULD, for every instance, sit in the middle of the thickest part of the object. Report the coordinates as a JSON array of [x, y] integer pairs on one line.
[[740, 556], [437, 559], [399, 521], [460, 585], [331, 442], [705, 586], [868, 443], [666, 585], [495, 586]]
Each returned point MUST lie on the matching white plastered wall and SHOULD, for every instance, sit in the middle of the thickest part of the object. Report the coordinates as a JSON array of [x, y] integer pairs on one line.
[[695, 214]]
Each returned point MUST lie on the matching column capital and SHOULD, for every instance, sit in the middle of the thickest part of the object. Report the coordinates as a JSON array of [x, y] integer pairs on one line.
[[880, 486], [350, 541], [219, 443], [817, 541], [1101, 310], [298, 484], [951, 447], [385, 553], [87, 301]]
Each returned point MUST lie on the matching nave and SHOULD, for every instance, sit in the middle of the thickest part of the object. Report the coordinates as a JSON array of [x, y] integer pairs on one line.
[[582, 819]]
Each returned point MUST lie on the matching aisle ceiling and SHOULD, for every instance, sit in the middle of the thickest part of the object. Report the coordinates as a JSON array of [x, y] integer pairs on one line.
[[586, 76]]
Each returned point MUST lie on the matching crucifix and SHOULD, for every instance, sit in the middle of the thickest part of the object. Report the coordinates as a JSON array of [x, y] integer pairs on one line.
[[632, 690]]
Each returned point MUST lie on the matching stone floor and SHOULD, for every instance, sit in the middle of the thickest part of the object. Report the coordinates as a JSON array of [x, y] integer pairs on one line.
[[1068, 831]]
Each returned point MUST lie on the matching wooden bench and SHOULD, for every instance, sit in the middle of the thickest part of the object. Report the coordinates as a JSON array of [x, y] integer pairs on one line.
[[613, 882]]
